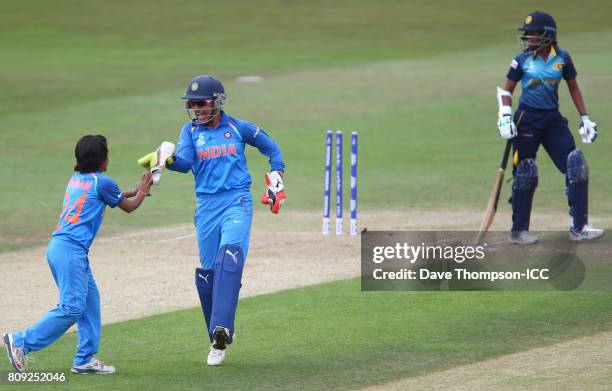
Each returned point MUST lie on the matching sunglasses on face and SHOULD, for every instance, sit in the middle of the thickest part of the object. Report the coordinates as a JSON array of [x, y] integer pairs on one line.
[[200, 103]]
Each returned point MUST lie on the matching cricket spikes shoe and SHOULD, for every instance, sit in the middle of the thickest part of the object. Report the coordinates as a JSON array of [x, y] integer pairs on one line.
[[588, 232], [94, 366], [15, 353], [216, 356], [522, 237]]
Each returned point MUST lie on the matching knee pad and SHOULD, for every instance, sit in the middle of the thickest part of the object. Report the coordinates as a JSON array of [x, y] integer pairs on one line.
[[526, 176], [204, 280], [577, 167], [228, 275]]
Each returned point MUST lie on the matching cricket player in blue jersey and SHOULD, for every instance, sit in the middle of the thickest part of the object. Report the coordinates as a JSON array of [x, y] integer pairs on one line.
[[212, 146], [88, 193], [537, 121]]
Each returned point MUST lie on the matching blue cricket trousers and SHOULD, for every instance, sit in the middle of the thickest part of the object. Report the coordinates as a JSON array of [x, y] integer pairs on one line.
[[538, 127], [79, 303], [543, 127], [220, 219]]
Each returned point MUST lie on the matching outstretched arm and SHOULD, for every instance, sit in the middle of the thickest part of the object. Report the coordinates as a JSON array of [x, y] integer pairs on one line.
[[129, 193], [177, 158], [142, 189], [132, 193], [184, 155]]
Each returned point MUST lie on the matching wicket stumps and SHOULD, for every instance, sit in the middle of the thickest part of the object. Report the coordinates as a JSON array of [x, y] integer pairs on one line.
[[339, 182], [354, 183], [327, 185]]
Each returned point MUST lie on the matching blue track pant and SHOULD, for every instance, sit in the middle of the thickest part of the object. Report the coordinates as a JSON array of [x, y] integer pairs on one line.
[[79, 303], [221, 219]]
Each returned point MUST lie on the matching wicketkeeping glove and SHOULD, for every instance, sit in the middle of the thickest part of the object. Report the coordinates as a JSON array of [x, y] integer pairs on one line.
[[587, 130], [274, 195], [156, 161]]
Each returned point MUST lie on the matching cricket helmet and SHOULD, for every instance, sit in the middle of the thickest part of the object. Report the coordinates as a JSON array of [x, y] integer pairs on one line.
[[204, 89], [541, 25]]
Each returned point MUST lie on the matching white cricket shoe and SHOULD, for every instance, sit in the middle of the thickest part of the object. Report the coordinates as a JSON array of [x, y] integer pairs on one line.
[[522, 237], [588, 233], [94, 366], [216, 356], [15, 354]]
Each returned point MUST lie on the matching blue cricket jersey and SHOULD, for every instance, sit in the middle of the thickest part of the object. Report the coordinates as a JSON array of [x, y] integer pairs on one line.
[[540, 78], [85, 199], [217, 156]]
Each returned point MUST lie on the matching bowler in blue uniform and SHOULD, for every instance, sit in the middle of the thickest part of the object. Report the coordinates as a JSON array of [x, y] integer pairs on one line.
[[87, 195], [539, 68], [212, 146]]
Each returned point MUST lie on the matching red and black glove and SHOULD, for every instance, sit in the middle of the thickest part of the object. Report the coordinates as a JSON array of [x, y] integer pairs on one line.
[[275, 193]]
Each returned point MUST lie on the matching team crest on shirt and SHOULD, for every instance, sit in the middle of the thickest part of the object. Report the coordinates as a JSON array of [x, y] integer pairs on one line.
[[559, 66], [227, 135]]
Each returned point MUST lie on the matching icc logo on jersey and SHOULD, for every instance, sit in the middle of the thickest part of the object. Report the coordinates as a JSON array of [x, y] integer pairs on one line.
[[201, 140]]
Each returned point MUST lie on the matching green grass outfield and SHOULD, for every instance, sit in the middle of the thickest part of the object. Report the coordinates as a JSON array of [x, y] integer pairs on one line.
[[331, 336], [417, 79]]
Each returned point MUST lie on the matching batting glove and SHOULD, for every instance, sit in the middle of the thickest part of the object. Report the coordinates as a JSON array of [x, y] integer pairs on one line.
[[587, 130], [506, 126], [156, 161], [274, 195]]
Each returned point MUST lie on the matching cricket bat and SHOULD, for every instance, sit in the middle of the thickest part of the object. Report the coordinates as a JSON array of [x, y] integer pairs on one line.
[[494, 196], [499, 178]]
